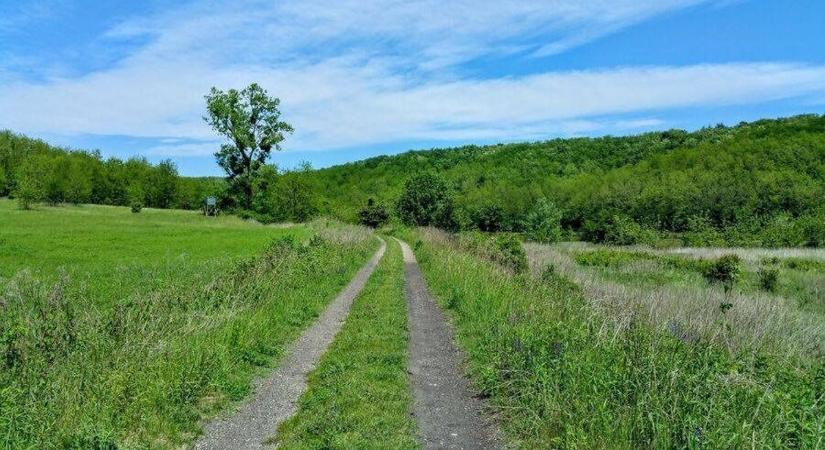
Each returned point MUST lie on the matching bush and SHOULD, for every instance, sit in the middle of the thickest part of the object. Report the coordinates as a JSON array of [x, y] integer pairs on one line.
[[373, 215], [812, 229], [725, 270], [768, 279], [488, 218], [701, 233], [512, 252], [504, 249], [136, 207], [543, 223], [623, 230]]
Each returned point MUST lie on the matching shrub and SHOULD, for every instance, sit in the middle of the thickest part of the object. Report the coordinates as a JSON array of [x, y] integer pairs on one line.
[[768, 279], [136, 207], [489, 218], [373, 215], [543, 223], [504, 249], [812, 230], [701, 233], [725, 270], [512, 252], [623, 230]]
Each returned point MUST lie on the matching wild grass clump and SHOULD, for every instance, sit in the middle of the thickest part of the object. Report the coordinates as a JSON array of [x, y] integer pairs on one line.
[[339, 232], [562, 375], [141, 372]]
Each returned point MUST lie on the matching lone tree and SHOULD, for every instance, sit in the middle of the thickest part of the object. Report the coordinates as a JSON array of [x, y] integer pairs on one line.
[[250, 119]]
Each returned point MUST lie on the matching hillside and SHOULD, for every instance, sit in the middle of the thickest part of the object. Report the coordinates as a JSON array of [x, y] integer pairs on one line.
[[719, 183]]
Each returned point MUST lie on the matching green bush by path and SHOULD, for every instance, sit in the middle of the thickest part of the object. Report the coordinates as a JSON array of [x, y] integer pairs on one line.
[[534, 347], [359, 396], [140, 369]]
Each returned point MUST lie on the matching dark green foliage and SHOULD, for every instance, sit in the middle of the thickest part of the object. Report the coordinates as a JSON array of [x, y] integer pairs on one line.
[[490, 218], [373, 215], [504, 248], [426, 201], [543, 223], [726, 270], [250, 121], [136, 207], [759, 183], [768, 279], [34, 172], [622, 230]]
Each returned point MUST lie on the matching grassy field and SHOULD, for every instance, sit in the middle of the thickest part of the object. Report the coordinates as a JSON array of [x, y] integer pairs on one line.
[[567, 367], [359, 397], [109, 252], [123, 329]]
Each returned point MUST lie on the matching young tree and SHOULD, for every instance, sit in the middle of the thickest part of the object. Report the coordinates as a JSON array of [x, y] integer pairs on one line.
[[250, 120], [543, 223], [373, 215], [426, 200], [32, 176]]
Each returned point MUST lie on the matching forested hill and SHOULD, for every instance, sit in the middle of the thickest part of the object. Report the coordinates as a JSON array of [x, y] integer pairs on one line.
[[720, 181]]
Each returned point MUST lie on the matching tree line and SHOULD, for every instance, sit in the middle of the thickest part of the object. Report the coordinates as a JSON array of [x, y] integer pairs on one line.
[[753, 184], [33, 171], [759, 183]]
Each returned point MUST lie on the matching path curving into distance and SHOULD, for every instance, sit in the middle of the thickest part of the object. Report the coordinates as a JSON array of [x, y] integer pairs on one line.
[[447, 412], [275, 398]]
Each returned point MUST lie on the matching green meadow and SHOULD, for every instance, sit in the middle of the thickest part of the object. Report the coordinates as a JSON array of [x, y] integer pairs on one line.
[[127, 330]]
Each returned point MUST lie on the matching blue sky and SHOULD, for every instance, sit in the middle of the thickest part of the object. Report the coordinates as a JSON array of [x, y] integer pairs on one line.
[[364, 77]]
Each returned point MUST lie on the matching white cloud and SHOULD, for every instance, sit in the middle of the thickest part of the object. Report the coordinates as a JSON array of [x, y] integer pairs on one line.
[[360, 72]]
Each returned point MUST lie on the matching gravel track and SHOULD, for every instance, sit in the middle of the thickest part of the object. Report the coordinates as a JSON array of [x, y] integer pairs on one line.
[[448, 413], [275, 398]]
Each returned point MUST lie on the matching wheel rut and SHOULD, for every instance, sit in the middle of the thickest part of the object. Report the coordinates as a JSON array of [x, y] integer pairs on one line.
[[448, 413], [275, 397]]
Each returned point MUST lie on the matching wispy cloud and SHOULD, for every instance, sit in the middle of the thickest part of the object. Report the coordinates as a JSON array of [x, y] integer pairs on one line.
[[358, 72]]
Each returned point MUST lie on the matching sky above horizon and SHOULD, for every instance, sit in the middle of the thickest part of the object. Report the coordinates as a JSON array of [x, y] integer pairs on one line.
[[358, 78]]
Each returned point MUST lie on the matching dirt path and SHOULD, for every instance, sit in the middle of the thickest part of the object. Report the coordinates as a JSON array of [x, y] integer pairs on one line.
[[448, 414], [275, 397]]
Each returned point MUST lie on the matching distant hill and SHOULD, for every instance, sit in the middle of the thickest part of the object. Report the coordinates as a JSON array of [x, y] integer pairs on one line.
[[733, 180]]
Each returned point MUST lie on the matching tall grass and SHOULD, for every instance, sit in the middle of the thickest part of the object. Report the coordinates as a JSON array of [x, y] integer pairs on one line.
[[754, 322], [143, 372], [562, 375]]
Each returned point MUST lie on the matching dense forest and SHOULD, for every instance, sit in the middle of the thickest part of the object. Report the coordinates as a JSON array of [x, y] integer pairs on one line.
[[754, 184], [759, 183]]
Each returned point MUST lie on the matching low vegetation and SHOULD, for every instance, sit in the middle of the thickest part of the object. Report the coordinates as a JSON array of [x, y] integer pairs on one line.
[[133, 360], [564, 371], [359, 397]]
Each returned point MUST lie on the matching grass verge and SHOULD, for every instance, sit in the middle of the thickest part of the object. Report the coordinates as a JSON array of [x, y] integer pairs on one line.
[[359, 396], [538, 349]]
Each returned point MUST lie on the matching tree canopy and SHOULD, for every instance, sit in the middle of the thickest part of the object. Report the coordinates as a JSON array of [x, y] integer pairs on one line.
[[250, 120]]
